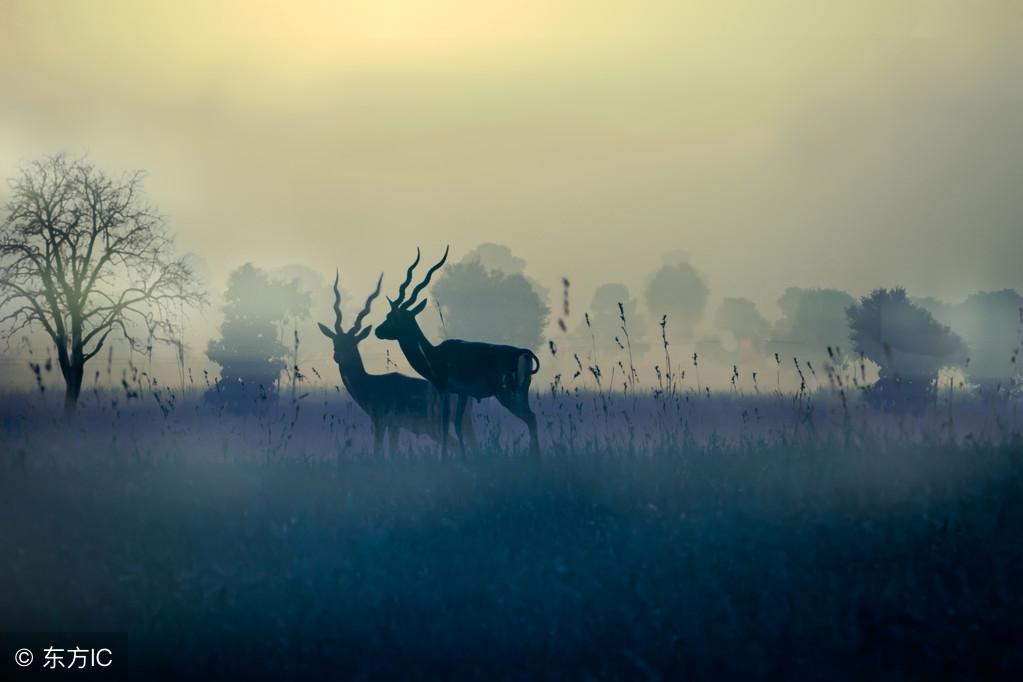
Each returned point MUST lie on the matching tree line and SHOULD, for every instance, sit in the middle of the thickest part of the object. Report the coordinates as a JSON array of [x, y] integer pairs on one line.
[[84, 256]]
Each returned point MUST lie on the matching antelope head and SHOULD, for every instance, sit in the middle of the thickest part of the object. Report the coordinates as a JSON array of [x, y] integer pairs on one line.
[[345, 342], [401, 319]]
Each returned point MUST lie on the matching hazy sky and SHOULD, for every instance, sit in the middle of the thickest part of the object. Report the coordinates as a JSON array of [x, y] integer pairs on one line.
[[841, 144]]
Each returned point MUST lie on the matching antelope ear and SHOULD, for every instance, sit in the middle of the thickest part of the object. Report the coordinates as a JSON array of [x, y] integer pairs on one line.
[[326, 330], [419, 308], [361, 336]]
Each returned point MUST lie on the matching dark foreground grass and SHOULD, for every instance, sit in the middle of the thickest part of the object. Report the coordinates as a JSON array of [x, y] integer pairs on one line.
[[809, 562]]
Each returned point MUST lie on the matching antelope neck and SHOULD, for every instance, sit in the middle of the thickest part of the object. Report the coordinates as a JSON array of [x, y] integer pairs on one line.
[[353, 375], [418, 351]]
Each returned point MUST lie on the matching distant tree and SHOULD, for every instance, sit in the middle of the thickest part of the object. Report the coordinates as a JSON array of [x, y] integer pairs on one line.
[[478, 304], [906, 343], [604, 332], [250, 351], [812, 320], [991, 324], [499, 257], [709, 349], [496, 257], [312, 284], [740, 318], [680, 292], [83, 256]]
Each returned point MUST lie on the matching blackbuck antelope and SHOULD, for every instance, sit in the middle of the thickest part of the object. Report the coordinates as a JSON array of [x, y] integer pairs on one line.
[[393, 401], [462, 368]]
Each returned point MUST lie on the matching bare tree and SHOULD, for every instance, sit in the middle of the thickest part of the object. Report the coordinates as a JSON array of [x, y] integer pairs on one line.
[[82, 255]]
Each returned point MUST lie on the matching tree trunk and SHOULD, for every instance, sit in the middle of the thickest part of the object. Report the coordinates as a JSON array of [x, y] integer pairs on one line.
[[73, 386], [75, 366]]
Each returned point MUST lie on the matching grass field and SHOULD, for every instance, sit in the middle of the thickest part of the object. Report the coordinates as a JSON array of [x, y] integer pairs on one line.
[[740, 536]]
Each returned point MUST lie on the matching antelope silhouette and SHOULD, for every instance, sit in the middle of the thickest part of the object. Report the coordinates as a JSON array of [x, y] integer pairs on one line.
[[462, 368], [392, 401]]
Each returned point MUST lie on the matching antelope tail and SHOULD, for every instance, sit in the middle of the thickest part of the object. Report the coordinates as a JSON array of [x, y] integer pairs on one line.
[[533, 358]]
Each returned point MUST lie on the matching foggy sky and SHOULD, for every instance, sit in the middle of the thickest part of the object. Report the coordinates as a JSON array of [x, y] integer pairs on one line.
[[844, 145]]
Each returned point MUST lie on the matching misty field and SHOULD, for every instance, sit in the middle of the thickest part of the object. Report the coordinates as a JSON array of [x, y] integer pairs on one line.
[[700, 535]]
